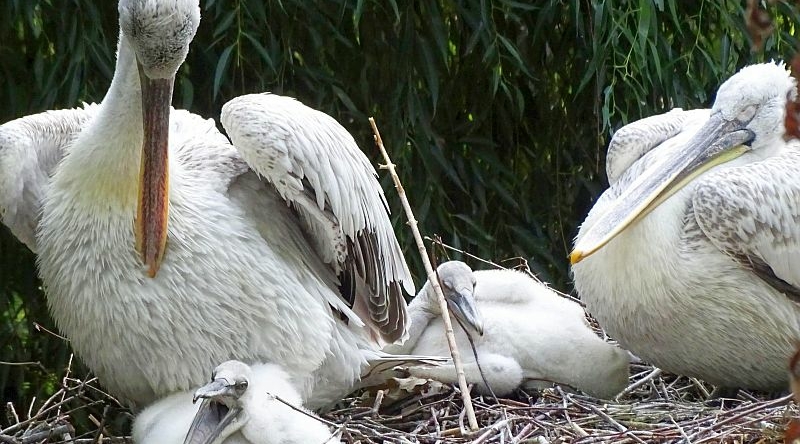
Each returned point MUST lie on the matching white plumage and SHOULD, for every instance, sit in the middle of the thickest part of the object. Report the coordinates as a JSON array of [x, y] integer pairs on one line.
[[278, 248], [696, 240], [532, 337], [239, 406], [30, 150]]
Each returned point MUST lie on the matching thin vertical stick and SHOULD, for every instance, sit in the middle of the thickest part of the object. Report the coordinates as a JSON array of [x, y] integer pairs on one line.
[[451, 339]]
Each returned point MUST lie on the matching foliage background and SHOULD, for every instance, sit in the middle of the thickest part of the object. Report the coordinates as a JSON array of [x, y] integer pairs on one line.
[[497, 112]]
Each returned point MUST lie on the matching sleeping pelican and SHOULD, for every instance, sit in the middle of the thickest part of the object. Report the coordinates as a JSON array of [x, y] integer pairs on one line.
[[152, 220], [239, 406], [690, 258], [524, 334]]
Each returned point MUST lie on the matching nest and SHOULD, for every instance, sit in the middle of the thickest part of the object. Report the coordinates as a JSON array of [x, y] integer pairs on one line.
[[654, 408]]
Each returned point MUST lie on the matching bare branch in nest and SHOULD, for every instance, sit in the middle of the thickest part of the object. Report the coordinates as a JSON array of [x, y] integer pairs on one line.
[[412, 221]]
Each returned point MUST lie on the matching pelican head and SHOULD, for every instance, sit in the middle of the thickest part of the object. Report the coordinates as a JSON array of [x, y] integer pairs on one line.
[[221, 413], [159, 33], [747, 117], [458, 285]]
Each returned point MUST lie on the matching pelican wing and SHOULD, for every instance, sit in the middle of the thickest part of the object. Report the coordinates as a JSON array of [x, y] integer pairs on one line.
[[30, 149], [636, 139], [316, 166], [752, 213]]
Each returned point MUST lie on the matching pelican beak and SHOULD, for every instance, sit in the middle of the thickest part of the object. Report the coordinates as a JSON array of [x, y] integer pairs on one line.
[[718, 141], [214, 414], [153, 206], [462, 305]]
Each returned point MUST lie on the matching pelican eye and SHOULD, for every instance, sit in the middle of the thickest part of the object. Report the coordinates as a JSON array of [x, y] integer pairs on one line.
[[748, 113], [241, 386]]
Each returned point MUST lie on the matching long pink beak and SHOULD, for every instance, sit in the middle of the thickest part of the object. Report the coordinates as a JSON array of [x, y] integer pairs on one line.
[[153, 208]]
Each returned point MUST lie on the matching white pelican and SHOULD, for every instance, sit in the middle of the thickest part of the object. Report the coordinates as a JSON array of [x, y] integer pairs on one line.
[[239, 406], [530, 335], [154, 251], [690, 258]]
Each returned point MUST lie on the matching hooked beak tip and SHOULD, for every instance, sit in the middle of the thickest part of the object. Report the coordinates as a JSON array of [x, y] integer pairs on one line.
[[576, 256]]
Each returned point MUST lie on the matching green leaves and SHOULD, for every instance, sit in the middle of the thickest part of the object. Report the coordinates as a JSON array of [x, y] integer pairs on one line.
[[496, 113]]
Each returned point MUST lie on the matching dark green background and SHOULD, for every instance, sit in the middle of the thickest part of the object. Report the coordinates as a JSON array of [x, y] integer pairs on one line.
[[496, 113]]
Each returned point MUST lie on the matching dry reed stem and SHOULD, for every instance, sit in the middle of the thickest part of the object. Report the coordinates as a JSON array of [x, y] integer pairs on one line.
[[432, 278]]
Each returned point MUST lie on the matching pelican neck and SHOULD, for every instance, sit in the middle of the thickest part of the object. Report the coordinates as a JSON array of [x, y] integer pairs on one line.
[[420, 316], [124, 95]]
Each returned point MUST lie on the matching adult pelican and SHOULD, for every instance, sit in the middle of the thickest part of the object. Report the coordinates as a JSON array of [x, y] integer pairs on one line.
[[165, 250], [690, 258]]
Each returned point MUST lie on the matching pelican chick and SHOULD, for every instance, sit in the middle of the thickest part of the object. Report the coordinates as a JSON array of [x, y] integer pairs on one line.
[[524, 334], [239, 405], [690, 258]]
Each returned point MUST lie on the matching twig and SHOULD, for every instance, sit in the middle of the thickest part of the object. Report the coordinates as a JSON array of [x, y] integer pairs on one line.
[[522, 433], [493, 429], [652, 375], [11, 413], [303, 411], [40, 327], [412, 221], [64, 380], [102, 425], [22, 363], [377, 404], [469, 255], [58, 430], [743, 413]]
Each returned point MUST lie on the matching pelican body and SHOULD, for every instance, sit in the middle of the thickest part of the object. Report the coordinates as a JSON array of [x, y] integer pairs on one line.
[[239, 406], [690, 258], [524, 335], [165, 248]]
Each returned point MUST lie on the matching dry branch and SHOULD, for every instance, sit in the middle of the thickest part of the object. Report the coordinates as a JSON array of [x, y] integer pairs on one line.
[[432, 278]]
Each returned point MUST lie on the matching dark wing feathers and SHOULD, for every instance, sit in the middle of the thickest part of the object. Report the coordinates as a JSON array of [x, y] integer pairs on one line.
[[316, 166]]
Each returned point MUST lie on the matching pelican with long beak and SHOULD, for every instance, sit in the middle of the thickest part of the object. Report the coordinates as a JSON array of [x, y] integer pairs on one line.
[[147, 219], [689, 258]]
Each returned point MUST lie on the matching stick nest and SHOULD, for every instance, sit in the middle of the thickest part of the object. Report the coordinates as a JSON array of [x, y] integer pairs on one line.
[[655, 408]]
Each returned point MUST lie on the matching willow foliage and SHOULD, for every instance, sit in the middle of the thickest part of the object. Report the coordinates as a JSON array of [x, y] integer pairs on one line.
[[496, 112]]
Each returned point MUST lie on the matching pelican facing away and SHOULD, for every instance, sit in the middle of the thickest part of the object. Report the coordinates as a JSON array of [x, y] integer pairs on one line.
[[690, 258], [165, 249], [239, 406], [524, 334]]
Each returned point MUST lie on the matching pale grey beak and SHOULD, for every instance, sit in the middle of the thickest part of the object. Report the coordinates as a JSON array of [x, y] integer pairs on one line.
[[716, 142], [462, 305], [214, 414]]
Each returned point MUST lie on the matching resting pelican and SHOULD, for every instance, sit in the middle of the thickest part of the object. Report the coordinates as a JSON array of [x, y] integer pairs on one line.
[[152, 221], [524, 334], [690, 258], [239, 406]]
